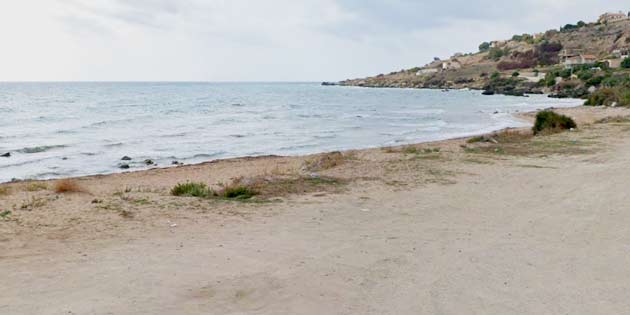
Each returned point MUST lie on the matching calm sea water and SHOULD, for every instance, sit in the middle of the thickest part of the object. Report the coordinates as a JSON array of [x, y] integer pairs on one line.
[[69, 129]]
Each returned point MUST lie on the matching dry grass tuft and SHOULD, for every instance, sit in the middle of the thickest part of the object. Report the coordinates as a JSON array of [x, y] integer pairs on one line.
[[324, 162], [35, 186], [517, 143], [282, 187], [5, 190], [614, 119], [33, 203], [67, 186]]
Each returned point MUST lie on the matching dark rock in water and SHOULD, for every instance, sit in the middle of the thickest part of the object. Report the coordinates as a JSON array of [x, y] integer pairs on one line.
[[329, 83], [174, 163], [149, 162], [125, 158], [64, 158], [570, 93], [124, 166], [488, 92], [8, 154]]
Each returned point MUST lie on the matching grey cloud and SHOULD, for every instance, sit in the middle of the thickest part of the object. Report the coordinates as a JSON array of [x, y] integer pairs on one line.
[[146, 13], [386, 16]]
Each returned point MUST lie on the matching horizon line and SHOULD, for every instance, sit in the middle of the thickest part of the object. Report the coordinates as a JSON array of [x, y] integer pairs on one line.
[[152, 81]]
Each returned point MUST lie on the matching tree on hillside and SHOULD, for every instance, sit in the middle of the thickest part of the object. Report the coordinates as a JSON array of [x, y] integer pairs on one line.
[[484, 46]]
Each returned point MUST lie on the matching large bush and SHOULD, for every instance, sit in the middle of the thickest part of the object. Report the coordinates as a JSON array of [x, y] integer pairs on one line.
[[496, 53], [626, 63], [618, 96], [548, 121]]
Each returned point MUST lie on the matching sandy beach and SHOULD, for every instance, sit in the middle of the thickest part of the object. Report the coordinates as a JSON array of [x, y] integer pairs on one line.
[[512, 225]]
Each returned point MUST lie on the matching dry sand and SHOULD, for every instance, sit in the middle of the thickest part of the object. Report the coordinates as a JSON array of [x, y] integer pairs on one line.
[[526, 226]]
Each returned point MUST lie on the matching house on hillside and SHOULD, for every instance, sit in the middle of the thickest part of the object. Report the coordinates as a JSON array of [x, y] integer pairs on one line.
[[576, 60], [621, 53], [611, 17], [613, 63]]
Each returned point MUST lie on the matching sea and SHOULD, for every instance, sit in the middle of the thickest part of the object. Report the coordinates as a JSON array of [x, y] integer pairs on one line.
[[55, 130]]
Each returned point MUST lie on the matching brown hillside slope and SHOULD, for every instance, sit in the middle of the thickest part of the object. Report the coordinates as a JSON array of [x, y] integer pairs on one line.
[[524, 53]]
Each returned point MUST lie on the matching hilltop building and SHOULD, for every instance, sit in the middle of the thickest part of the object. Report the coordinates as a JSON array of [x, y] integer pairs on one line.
[[611, 17]]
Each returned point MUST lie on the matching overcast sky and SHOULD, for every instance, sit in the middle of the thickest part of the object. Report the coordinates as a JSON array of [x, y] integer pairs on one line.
[[257, 40]]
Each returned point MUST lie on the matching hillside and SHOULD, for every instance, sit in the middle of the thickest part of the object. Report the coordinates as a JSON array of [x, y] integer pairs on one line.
[[527, 63]]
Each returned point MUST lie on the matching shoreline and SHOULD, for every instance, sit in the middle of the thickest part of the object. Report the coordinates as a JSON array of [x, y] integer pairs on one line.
[[518, 116], [517, 215]]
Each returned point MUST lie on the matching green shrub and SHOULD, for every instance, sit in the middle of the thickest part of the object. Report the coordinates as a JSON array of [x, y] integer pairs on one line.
[[516, 74], [595, 81], [618, 96], [585, 75], [484, 46], [565, 74], [548, 121], [626, 63], [550, 79], [200, 190], [496, 53], [238, 192]]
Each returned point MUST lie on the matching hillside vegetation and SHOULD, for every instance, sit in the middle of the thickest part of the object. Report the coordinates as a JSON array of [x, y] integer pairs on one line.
[[532, 64]]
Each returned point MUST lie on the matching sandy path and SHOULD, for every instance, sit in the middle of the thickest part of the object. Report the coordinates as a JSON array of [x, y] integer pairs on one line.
[[522, 236]]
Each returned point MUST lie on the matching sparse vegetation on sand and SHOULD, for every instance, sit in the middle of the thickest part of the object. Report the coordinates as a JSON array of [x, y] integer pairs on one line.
[[35, 186], [237, 191], [521, 143], [264, 187], [33, 203], [67, 186], [5, 190], [615, 119], [324, 161], [200, 190], [551, 122]]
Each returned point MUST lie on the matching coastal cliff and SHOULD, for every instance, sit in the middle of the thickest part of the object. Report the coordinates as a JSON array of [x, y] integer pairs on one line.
[[575, 61]]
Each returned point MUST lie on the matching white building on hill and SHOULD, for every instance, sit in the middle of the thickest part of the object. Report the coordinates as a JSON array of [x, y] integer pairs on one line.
[[611, 17]]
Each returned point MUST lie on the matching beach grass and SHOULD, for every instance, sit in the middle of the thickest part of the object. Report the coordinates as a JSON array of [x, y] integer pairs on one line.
[[5, 190], [516, 143], [67, 186], [200, 190], [36, 186], [237, 192]]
